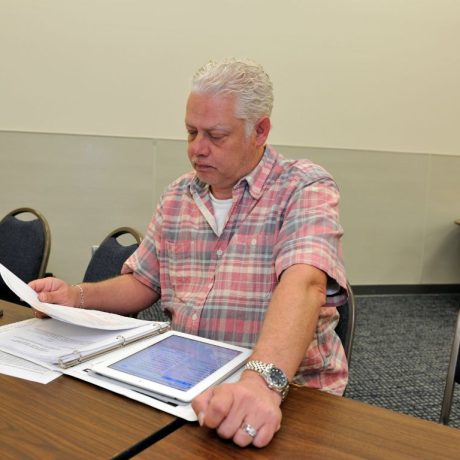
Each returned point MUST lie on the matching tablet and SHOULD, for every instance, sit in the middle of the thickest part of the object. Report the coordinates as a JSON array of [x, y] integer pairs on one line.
[[173, 365]]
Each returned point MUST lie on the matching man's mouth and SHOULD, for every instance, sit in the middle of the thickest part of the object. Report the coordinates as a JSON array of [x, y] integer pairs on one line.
[[202, 167]]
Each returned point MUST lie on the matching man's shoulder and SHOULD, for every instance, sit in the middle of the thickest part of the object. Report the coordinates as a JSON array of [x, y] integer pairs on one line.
[[181, 184], [309, 168], [301, 167], [303, 170]]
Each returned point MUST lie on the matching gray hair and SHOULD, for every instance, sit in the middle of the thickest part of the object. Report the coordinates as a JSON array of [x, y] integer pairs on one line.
[[245, 79]]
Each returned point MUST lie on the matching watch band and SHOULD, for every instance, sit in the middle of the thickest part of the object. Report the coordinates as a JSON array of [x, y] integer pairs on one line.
[[258, 366]]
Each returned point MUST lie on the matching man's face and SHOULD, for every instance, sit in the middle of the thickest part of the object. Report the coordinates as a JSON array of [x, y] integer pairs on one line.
[[218, 148]]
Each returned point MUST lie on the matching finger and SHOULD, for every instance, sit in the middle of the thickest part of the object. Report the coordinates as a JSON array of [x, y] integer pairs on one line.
[[44, 297], [60, 297], [260, 431], [246, 434], [264, 435], [49, 297], [37, 285], [242, 439], [218, 407], [39, 314], [43, 284], [47, 284], [200, 403], [233, 421]]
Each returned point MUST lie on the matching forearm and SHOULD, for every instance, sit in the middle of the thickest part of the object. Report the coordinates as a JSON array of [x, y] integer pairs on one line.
[[287, 332], [123, 295], [291, 318]]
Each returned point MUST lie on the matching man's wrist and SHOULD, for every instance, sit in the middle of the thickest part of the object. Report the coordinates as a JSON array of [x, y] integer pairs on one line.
[[80, 302], [259, 382], [274, 377]]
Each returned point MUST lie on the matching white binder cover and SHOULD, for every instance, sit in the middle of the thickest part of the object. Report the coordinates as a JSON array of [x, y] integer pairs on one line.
[[184, 411]]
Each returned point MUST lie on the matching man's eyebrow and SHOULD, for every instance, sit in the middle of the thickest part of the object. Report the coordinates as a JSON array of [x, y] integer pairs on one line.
[[217, 127]]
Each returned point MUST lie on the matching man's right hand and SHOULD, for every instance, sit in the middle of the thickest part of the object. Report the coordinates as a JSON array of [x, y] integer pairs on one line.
[[56, 291]]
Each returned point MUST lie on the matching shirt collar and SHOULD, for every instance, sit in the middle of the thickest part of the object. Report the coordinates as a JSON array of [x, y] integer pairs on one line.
[[255, 179], [258, 176]]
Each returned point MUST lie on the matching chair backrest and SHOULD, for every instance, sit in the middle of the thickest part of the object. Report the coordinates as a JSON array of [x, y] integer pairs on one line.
[[346, 326], [109, 257], [453, 375], [24, 246]]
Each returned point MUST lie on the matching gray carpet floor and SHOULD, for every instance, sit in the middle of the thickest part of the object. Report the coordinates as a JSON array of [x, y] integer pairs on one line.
[[401, 351]]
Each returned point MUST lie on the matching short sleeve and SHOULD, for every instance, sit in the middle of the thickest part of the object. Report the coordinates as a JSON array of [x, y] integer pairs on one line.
[[311, 234], [143, 263]]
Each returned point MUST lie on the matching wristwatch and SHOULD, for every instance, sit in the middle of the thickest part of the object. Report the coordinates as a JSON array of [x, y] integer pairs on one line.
[[274, 377]]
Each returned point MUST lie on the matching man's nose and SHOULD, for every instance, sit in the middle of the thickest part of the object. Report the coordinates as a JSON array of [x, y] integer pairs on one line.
[[199, 146]]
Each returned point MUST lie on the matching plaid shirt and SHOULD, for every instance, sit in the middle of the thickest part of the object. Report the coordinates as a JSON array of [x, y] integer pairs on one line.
[[284, 212]]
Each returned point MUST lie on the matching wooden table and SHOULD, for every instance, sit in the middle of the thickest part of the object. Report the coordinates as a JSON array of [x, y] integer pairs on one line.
[[68, 418], [317, 425]]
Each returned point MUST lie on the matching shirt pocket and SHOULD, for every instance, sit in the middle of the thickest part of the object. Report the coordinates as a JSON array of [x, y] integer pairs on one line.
[[251, 257], [181, 271], [257, 247]]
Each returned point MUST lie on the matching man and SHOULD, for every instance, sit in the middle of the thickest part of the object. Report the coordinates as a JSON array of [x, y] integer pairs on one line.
[[244, 249]]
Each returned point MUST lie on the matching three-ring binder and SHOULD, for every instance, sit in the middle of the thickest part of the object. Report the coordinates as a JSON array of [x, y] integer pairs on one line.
[[80, 356]]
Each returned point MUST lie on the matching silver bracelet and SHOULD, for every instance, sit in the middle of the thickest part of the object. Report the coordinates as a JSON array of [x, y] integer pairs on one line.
[[82, 296]]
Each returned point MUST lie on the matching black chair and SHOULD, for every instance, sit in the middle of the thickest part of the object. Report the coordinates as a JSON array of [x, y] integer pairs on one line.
[[107, 260], [24, 247], [346, 326], [453, 375]]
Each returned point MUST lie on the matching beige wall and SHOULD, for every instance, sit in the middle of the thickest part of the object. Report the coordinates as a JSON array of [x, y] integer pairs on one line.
[[362, 74], [397, 209], [92, 101]]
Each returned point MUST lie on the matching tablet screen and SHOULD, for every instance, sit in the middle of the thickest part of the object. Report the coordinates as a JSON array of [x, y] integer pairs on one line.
[[177, 362]]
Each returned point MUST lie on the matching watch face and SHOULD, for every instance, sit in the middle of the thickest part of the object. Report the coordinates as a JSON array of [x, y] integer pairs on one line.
[[277, 378]]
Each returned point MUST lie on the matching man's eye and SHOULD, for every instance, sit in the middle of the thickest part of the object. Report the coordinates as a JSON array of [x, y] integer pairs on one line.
[[216, 137], [191, 134]]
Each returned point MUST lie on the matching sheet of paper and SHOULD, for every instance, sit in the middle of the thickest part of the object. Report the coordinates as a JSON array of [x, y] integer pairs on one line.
[[44, 341], [23, 369], [88, 318]]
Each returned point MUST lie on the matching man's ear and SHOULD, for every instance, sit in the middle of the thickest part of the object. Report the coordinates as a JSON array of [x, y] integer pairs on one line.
[[262, 129]]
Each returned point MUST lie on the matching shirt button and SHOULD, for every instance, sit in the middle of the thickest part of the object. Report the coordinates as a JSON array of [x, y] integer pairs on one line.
[[253, 241], [194, 317], [219, 252]]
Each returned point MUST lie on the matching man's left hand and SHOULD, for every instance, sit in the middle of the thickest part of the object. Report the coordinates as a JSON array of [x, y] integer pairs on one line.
[[230, 407]]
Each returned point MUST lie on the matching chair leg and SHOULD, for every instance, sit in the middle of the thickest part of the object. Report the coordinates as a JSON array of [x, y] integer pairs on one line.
[[450, 381], [447, 403]]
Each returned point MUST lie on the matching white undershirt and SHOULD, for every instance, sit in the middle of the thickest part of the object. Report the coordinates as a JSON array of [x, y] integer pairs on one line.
[[221, 210]]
